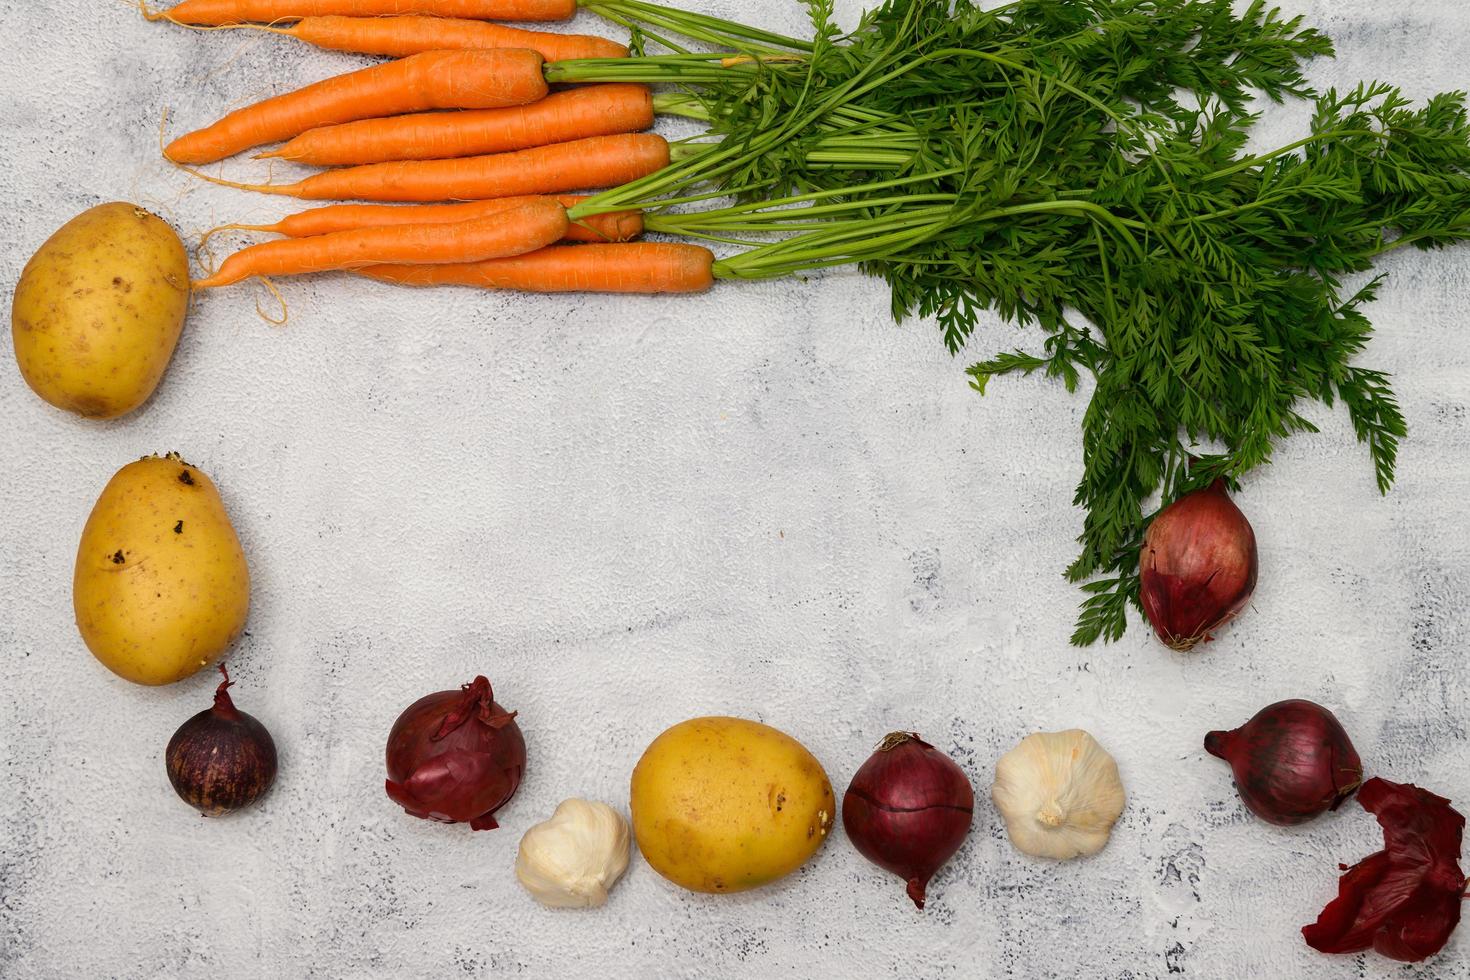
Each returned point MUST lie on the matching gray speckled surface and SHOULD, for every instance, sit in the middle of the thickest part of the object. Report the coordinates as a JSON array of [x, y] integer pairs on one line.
[[768, 501]]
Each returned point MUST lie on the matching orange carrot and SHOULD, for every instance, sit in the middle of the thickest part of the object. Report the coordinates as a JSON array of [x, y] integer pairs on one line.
[[638, 267], [270, 11], [592, 110], [600, 161], [432, 80], [402, 36], [613, 226], [523, 228]]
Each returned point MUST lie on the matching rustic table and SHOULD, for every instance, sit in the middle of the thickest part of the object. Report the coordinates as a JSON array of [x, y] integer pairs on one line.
[[766, 501]]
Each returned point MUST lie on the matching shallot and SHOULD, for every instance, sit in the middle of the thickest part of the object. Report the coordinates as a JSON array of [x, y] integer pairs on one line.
[[1197, 566]]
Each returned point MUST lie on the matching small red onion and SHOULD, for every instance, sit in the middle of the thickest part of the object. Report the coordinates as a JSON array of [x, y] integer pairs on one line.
[[456, 757], [222, 759], [908, 809], [1292, 761], [1197, 567]]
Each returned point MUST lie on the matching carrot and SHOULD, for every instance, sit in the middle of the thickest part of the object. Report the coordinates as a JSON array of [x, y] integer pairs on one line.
[[613, 226], [402, 36], [270, 11], [638, 267], [592, 110], [523, 228], [599, 161], [432, 80]]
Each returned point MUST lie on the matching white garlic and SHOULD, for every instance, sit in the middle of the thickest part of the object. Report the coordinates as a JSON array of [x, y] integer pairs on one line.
[[572, 859], [1060, 794]]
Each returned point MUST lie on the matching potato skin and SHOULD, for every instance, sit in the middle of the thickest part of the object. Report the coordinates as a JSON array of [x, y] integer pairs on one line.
[[99, 308], [161, 586], [724, 804]]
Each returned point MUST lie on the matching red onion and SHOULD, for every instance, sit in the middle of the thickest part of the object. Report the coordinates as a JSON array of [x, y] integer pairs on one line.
[[221, 759], [1197, 568], [908, 809], [456, 757], [1292, 761]]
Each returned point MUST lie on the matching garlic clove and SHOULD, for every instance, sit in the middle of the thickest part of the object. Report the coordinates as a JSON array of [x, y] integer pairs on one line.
[[573, 858], [1060, 794]]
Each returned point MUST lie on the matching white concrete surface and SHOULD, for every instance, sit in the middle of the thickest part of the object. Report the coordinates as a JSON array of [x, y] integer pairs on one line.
[[767, 501]]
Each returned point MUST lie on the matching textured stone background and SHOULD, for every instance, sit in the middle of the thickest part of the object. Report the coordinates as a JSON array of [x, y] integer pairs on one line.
[[768, 501]]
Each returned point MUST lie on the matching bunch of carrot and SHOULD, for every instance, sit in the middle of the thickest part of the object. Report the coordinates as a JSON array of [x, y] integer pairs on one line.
[[464, 114]]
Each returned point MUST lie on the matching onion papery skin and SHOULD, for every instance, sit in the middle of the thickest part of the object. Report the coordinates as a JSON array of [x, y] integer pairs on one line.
[[1292, 762], [456, 757], [1197, 567], [1403, 901], [222, 759], [908, 809]]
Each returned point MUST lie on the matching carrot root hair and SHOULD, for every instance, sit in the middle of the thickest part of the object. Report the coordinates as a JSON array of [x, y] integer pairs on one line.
[[205, 255], [270, 287], [277, 189], [204, 238]]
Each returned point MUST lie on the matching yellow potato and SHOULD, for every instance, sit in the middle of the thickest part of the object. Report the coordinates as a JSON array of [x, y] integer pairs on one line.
[[98, 310], [724, 804], [161, 586]]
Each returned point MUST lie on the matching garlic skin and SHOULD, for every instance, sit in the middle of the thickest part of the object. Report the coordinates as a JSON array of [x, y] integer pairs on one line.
[[573, 858], [1060, 794]]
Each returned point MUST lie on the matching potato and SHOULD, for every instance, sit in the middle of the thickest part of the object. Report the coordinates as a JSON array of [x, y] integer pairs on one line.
[[98, 310], [161, 586], [724, 804]]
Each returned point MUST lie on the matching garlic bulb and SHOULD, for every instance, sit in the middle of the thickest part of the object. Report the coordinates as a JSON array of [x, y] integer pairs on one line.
[[572, 859], [1060, 794]]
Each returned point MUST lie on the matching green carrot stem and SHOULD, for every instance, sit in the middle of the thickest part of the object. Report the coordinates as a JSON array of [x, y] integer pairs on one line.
[[590, 206], [784, 220], [886, 235], [679, 69], [680, 104], [1256, 161], [685, 21]]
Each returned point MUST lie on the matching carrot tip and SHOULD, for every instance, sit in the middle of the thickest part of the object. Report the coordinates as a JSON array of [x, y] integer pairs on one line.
[[153, 15]]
